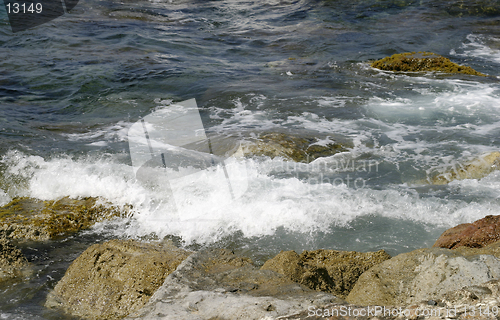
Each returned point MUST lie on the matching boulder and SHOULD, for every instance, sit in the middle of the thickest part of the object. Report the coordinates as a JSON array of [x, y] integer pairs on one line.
[[299, 148], [12, 262], [421, 61], [473, 235], [217, 284], [425, 274], [475, 169], [110, 280], [325, 270], [33, 219]]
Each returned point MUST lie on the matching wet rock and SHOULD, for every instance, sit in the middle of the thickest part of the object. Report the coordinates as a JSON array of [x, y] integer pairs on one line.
[[476, 169], [471, 302], [473, 8], [295, 66], [421, 61], [299, 148], [110, 280], [216, 284], [12, 262], [325, 270], [473, 235], [425, 274], [33, 219]]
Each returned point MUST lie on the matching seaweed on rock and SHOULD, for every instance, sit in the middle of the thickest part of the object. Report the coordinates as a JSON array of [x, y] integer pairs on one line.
[[422, 61]]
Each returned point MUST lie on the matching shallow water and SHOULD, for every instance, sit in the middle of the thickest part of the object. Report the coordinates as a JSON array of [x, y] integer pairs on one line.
[[70, 90]]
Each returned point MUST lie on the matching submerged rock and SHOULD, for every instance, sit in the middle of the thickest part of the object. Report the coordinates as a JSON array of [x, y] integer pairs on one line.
[[476, 169], [299, 148], [110, 280], [421, 61], [473, 7], [473, 235], [216, 284], [325, 270], [12, 262], [33, 219], [425, 274]]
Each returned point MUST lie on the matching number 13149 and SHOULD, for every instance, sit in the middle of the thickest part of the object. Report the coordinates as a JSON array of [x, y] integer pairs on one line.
[[24, 8]]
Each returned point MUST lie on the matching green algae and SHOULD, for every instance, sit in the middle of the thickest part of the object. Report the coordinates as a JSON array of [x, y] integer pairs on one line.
[[422, 62], [27, 218], [474, 8]]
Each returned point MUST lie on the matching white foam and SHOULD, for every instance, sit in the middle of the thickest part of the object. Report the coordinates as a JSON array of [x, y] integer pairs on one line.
[[410, 130], [476, 47], [270, 202], [333, 102], [112, 133], [241, 118], [4, 198]]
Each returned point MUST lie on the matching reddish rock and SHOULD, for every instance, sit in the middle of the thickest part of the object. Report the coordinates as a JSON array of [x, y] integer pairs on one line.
[[473, 235]]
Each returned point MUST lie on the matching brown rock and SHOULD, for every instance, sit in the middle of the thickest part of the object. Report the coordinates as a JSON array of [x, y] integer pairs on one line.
[[34, 219], [12, 262], [473, 235], [110, 280], [325, 270], [217, 284]]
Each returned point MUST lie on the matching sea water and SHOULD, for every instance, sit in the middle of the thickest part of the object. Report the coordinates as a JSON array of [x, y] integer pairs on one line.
[[71, 89]]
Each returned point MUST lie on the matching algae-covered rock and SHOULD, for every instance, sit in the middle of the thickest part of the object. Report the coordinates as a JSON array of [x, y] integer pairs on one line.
[[325, 270], [425, 274], [12, 262], [476, 169], [421, 61], [27, 218], [299, 148], [110, 280], [217, 284], [473, 7]]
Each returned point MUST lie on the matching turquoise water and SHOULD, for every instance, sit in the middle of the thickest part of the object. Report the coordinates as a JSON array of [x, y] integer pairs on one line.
[[70, 90]]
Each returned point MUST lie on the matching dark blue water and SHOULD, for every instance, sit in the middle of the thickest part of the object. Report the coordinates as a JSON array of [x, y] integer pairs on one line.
[[70, 90]]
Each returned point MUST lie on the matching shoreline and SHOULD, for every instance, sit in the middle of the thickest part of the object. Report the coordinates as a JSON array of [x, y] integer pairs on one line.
[[316, 284]]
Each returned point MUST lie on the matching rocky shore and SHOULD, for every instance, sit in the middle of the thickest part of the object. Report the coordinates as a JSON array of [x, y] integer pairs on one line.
[[126, 278], [458, 278]]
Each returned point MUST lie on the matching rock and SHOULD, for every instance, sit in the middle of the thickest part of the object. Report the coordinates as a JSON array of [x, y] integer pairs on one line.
[[216, 284], [421, 61], [110, 280], [12, 262], [473, 8], [472, 295], [299, 148], [474, 302], [473, 235], [476, 169], [425, 274], [325, 270], [32, 219]]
